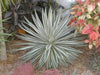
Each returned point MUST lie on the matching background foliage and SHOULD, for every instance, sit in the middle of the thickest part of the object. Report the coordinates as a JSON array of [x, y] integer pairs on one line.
[[87, 20]]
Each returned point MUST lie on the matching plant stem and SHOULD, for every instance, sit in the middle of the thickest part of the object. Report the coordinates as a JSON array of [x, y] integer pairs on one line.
[[3, 55]]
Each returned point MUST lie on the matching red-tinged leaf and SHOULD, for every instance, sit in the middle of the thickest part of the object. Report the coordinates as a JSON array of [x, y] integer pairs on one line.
[[78, 13], [86, 41], [98, 49], [75, 7], [83, 10], [87, 1], [73, 12], [88, 29], [81, 22], [91, 7], [93, 36], [96, 28], [97, 43], [72, 20], [79, 1], [98, 3]]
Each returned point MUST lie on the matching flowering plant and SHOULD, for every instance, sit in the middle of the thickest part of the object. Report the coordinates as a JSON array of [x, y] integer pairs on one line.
[[87, 19]]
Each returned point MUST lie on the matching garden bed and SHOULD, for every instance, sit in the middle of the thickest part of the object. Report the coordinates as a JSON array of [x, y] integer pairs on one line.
[[7, 67], [51, 39]]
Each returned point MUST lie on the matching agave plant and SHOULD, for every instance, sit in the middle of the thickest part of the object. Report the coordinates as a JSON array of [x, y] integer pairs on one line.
[[50, 42]]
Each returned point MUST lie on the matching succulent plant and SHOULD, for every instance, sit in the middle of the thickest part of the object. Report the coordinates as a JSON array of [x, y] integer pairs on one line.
[[50, 42]]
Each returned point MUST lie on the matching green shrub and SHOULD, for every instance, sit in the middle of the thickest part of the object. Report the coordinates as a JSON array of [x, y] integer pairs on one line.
[[50, 42], [5, 3], [2, 39], [1, 33]]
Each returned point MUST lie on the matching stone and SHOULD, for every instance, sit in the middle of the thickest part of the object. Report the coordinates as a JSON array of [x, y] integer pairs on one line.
[[25, 69], [51, 72], [66, 3]]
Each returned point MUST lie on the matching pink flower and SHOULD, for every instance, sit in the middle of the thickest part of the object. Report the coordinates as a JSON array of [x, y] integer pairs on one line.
[[91, 7], [88, 29]]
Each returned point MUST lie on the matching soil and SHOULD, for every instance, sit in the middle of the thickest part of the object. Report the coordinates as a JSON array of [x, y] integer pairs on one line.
[[80, 65]]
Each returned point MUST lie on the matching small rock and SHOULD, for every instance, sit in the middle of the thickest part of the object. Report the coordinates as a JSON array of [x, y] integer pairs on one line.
[[25, 69], [66, 3], [51, 72]]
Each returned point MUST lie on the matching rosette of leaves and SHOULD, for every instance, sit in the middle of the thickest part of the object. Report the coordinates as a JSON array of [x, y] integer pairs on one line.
[[50, 42]]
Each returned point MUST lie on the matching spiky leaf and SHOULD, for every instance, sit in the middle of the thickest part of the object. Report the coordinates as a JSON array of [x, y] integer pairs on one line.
[[50, 42]]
